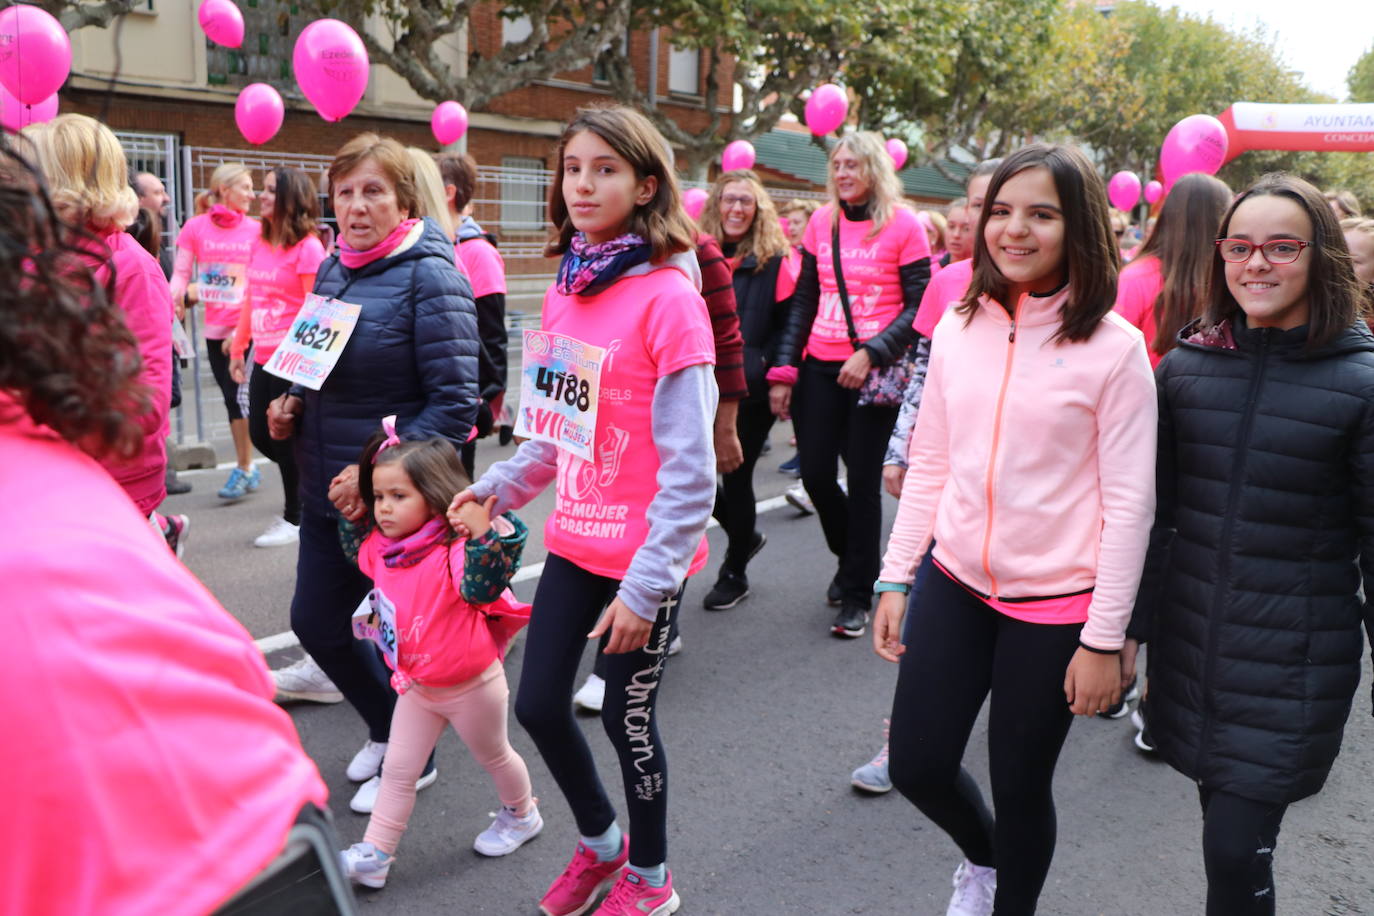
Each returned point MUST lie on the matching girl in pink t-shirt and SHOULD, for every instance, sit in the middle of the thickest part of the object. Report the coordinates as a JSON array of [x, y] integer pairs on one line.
[[213, 251], [619, 401], [1161, 290], [281, 272], [442, 614], [845, 333]]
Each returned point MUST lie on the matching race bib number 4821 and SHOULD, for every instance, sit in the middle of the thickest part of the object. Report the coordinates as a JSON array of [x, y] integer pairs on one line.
[[312, 346], [559, 383]]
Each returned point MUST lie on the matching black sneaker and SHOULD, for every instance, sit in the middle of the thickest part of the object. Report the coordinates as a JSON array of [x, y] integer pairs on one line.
[[850, 621], [1142, 737], [175, 485], [730, 589], [834, 595], [1122, 706]]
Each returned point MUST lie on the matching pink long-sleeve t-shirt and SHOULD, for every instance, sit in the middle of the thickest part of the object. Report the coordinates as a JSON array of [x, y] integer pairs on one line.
[[1136, 291], [1032, 462]]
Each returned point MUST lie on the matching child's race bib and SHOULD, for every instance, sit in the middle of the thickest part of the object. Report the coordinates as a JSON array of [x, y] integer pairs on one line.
[[375, 619], [560, 382]]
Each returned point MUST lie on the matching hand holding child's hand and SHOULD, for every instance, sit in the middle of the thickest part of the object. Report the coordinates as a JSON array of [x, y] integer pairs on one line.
[[470, 518], [455, 516]]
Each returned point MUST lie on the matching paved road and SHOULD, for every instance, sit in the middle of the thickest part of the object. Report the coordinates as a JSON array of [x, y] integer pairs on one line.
[[764, 715]]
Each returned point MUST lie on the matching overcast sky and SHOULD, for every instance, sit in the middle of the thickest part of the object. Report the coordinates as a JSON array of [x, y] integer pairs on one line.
[[1321, 39]]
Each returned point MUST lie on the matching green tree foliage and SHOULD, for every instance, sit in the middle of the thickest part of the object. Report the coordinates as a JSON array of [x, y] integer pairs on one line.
[[1361, 78]]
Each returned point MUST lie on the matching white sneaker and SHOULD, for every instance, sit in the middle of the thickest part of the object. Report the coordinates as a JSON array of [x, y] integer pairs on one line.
[[675, 646], [508, 832], [365, 864], [592, 695], [278, 534], [975, 888], [366, 762], [365, 799], [797, 497], [305, 681]]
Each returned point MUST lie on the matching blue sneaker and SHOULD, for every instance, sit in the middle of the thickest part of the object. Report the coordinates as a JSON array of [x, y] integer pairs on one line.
[[791, 467], [240, 483]]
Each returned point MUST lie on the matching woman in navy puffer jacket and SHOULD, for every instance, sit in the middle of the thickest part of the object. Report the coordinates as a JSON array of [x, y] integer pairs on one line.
[[413, 353]]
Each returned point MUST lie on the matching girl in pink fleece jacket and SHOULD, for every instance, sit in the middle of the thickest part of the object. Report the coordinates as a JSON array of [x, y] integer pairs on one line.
[[1032, 471]]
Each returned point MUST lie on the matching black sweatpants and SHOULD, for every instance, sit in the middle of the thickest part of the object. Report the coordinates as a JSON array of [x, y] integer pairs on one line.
[[735, 496], [1238, 839], [219, 368], [567, 604], [958, 650], [263, 388], [830, 425]]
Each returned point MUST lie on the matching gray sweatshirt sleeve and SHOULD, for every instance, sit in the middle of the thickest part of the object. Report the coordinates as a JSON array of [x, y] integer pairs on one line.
[[911, 403], [684, 410], [520, 478]]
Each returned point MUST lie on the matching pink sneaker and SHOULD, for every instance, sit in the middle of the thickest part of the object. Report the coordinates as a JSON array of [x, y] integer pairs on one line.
[[631, 896], [585, 879]]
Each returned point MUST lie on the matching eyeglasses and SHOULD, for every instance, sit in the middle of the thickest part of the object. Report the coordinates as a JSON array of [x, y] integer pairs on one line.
[[730, 200], [1275, 251]]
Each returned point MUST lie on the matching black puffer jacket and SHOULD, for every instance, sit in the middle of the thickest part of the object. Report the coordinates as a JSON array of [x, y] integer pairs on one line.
[[761, 319], [413, 354], [1265, 530]]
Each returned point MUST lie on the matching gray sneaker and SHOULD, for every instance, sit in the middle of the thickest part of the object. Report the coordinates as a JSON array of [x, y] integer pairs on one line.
[[873, 776], [305, 681]]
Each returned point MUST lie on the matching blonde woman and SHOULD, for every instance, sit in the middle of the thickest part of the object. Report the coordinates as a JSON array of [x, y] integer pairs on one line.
[[88, 178], [429, 190], [213, 251], [763, 267], [849, 322], [798, 214]]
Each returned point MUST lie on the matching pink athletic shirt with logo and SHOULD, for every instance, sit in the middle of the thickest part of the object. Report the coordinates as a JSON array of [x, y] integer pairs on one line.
[[480, 260], [870, 276], [221, 268], [274, 291], [651, 326], [944, 289]]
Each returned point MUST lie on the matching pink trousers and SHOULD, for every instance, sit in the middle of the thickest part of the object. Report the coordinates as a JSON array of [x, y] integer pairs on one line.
[[477, 711]]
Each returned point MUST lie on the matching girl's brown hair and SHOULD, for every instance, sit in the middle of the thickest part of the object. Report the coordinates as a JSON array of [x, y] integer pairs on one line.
[[432, 464], [66, 354], [764, 240], [295, 209], [1090, 253], [1333, 293], [661, 222], [1182, 240]]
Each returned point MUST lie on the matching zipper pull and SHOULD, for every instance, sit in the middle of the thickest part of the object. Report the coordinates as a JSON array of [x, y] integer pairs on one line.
[[1011, 336]]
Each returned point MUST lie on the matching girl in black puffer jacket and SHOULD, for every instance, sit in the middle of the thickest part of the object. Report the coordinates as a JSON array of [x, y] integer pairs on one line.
[[1265, 531]]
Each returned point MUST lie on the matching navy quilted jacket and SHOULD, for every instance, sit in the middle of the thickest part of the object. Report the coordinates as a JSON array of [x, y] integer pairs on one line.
[[1264, 534], [413, 354]]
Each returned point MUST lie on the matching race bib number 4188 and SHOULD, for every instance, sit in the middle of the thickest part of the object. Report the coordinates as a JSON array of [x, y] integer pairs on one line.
[[559, 383]]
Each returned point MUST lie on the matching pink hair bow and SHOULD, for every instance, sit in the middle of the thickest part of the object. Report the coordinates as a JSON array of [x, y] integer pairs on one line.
[[388, 427]]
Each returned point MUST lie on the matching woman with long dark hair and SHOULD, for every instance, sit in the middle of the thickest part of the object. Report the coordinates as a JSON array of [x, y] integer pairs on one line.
[[865, 264], [281, 273]]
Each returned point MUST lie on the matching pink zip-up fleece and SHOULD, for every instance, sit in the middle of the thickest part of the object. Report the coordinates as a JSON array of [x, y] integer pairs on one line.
[[1033, 462]]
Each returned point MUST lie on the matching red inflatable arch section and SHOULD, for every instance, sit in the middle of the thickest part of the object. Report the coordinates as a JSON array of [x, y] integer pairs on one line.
[[1319, 128]]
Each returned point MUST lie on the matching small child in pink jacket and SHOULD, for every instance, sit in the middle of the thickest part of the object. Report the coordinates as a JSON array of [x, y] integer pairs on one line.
[[442, 613]]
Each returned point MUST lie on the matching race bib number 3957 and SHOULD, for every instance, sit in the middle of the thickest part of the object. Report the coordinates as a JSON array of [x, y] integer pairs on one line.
[[559, 383], [312, 347]]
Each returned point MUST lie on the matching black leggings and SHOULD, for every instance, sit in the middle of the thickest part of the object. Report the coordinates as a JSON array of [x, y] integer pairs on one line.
[[567, 604], [1238, 839], [830, 425], [735, 496], [219, 368], [263, 388], [957, 651]]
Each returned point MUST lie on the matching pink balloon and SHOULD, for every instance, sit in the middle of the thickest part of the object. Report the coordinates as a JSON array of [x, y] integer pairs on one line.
[[221, 22], [694, 201], [1153, 192], [35, 54], [331, 67], [15, 115], [258, 113], [1196, 144], [898, 151], [449, 122], [1124, 190], [737, 155], [826, 109]]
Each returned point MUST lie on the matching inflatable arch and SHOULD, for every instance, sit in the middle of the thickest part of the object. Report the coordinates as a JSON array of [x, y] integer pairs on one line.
[[1319, 128]]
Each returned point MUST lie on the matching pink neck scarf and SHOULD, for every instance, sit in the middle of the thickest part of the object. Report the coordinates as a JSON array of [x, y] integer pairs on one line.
[[225, 217], [352, 258]]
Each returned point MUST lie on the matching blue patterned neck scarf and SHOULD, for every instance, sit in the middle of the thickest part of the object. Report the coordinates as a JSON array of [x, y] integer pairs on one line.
[[587, 269]]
